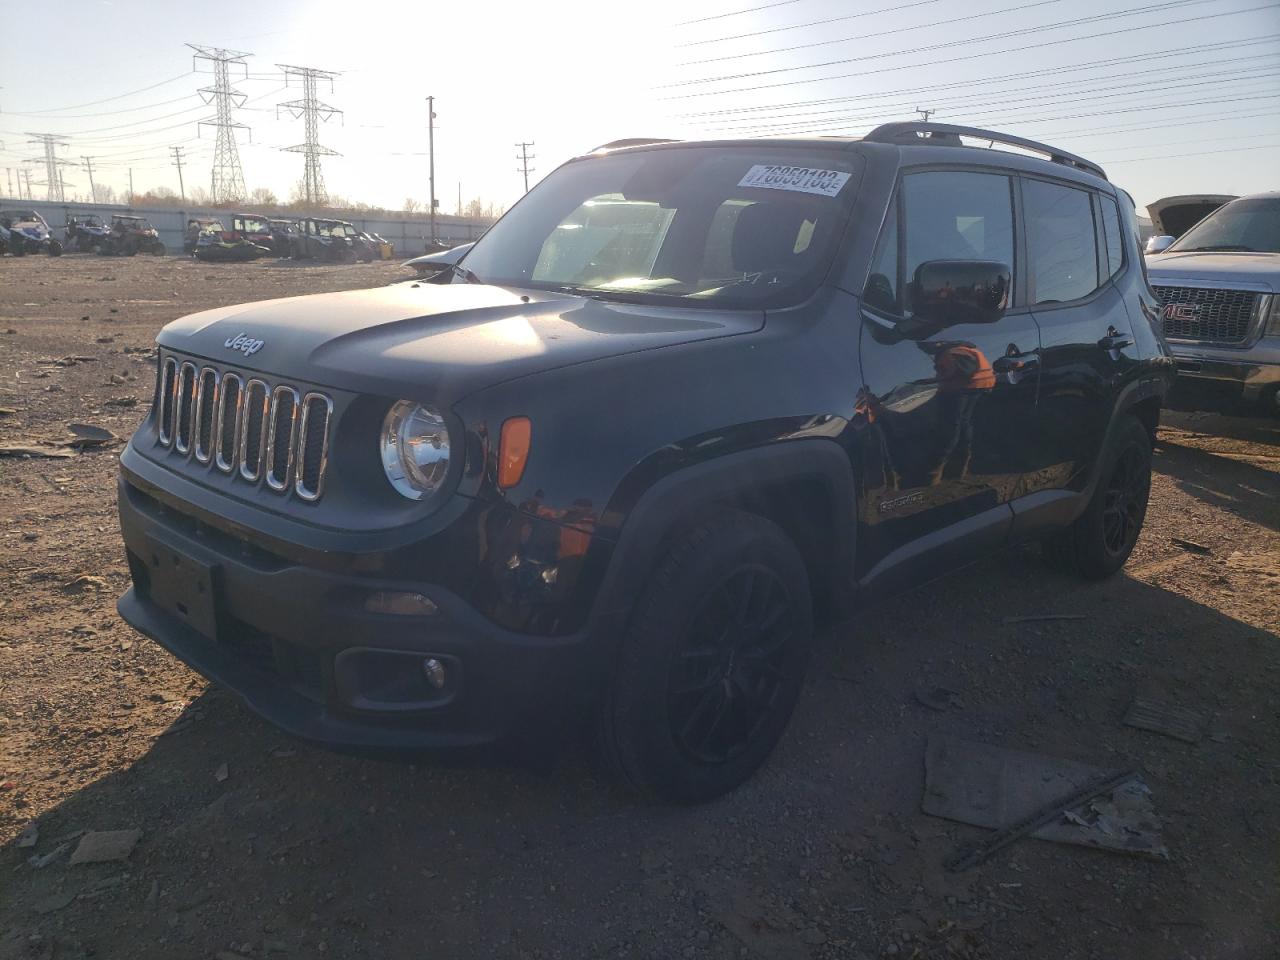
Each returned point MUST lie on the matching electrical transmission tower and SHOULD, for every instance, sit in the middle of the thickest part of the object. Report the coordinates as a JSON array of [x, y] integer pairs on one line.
[[524, 158], [227, 178], [312, 111], [53, 177]]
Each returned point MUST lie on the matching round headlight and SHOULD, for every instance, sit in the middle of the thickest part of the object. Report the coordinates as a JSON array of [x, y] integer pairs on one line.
[[415, 449]]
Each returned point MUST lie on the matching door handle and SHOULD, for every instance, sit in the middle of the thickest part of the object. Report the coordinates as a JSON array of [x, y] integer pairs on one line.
[[1115, 340]]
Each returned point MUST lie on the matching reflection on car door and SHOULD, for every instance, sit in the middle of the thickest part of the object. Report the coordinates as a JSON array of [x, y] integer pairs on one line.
[[1073, 250], [947, 410]]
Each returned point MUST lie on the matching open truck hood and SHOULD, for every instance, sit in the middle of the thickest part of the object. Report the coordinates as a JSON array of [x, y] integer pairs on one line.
[[1174, 216], [435, 341]]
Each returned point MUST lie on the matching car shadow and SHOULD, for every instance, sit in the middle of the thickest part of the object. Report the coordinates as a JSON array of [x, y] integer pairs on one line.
[[1222, 480], [1256, 429], [255, 844]]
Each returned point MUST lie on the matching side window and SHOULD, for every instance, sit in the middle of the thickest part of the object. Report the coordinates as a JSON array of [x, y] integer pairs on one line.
[[1111, 230], [953, 215], [881, 292], [1062, 243]]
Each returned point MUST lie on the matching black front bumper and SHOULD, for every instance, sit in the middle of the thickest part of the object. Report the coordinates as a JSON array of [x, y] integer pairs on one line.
[[297, 645]]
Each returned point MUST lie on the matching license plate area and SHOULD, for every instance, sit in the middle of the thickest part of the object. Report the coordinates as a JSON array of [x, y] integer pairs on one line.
[[184, 586]]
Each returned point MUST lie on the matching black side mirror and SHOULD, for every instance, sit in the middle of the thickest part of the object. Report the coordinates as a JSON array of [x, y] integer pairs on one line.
[[949, 292]]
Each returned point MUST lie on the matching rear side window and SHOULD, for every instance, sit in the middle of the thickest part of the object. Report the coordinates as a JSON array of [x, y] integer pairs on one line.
[[1062, 242], [882, 282], [1111, 230], [955, 215]]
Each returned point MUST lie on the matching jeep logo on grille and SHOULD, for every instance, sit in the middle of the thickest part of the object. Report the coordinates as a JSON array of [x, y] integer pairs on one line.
[[1181, 311], [245, 344]]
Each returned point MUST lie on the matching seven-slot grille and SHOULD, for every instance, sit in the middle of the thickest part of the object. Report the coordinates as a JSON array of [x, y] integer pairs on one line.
[[271, 434], [1204, 313]]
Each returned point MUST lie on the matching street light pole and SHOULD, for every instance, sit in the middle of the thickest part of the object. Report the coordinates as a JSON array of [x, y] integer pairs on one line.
[[431, 160]]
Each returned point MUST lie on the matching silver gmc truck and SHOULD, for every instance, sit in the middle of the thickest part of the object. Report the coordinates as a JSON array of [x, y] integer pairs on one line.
[[1219, 284]]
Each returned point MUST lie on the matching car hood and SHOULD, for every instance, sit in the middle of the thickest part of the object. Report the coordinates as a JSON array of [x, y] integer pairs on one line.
[[1246, 271], [1174, 216], [439, 342]]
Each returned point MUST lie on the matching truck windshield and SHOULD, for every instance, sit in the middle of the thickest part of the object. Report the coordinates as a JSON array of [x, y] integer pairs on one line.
[[1250, 225], [724, 226]]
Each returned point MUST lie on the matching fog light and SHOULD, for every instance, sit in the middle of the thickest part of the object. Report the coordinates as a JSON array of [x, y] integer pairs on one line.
[[434, 671], [400, 603]]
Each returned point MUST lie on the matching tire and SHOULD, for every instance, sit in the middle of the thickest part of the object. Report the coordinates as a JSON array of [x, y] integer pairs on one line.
[[18, 249], [712, 663], [55, 248], [157, 249], [1100, 540]]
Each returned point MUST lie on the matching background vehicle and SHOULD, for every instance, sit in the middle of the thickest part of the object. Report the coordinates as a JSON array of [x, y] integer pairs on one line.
[[332, 240], [382, 248], [682, 401], [131, 235], [29, 233], [85, 233], [256, 230], [282, 234], [218, 248], [431, 264], [1171, 217], [196, 227], [4, 241], [1219, 284]]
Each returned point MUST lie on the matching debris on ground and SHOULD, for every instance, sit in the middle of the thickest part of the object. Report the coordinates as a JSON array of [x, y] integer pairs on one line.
[[120, 402], [222, 773], [102, 846], [32, 450], [87, 435], [40, 861], [1190, 545], [994, 787], [1166, 718], [84, 582], [29, 835]]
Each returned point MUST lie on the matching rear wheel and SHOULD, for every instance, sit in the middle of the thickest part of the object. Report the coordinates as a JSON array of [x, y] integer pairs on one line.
[[55, 248], [1099, 542], [712, 663]]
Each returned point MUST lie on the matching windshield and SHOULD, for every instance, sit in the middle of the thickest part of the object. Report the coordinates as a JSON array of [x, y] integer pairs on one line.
[[20, 216], [254, 226], [1248, 225], [730, 226]]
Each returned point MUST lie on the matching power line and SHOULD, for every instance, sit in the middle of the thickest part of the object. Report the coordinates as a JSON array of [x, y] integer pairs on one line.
[[734, 13], [227, 177], [929, 48], [524, 159], [119, 96], [959, 59], [312, 111], [1199, 153], [886, 33], [104, 113], [811, 23]]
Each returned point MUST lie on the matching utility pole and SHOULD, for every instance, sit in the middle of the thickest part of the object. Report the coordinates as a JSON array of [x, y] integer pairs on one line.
[[177, 162], [459, 198], [312, 112], [53, 179], [431, 160], [227, 178], [524, 159], [8, 174], [93, 190], [131, 186], [925, 114], [27, 174]]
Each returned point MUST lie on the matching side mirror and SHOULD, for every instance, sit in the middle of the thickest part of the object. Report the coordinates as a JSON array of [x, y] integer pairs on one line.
[[948, 292], [1159, 244]]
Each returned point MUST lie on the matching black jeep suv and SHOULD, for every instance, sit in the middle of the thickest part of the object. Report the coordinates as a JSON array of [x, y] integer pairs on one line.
[[680, 401]]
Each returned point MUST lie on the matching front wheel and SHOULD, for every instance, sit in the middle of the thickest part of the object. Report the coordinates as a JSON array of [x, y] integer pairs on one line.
[[712, 663], [55, 248], [1099, 542]]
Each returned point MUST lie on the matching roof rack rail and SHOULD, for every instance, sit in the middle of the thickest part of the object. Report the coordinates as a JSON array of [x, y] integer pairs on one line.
[[631, 142], [949, 134]]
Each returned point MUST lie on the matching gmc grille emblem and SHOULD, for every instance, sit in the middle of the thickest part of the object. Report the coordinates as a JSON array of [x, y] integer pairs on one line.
[[1181, 311], [245, 344]]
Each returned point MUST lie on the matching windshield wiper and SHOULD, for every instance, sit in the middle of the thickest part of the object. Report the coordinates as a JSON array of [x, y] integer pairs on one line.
[[604, 295], [460, 271], [1221, 247]]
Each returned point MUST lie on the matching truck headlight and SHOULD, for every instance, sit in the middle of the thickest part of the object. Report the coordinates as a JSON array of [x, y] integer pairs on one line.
[[415, 449]]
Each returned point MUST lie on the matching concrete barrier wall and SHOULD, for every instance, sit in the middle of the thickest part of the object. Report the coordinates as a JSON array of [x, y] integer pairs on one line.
[[407, 233]]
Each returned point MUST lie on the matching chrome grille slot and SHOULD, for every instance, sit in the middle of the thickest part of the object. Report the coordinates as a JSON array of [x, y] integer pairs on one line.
[[1208, 314], [206, 408], [313, 445], [253, 435], [284, 417], [185, 407], [230, 407], [272, 435], [168, 384]]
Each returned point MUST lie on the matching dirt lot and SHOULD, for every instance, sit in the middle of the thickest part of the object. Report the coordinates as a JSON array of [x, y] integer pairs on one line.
[[253, 845]]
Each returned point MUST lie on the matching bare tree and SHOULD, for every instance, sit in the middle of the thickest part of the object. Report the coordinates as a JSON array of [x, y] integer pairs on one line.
[[411, 205], [263, 197]]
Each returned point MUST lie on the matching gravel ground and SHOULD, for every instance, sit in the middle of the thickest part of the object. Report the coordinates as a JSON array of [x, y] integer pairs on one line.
[[256, 846]]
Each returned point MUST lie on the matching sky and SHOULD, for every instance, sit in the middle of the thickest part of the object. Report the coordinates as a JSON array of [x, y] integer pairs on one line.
[[1170, 96]]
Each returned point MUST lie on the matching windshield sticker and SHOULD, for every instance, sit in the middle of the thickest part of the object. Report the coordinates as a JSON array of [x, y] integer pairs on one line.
[[774, 176]]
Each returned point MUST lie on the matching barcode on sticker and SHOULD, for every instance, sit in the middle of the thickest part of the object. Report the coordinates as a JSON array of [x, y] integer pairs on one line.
[[774, 176]]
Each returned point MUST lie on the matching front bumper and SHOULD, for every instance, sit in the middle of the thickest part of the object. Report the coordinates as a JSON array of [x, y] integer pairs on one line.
[[297, 645], [1245, 376]]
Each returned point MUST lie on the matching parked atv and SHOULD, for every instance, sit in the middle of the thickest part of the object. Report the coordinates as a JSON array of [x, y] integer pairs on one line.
[[215, 247], [4, 241], [29, 233], [85, 233], [335, 241], [197, 227], [130, 236], [382, 248], [256, 230], [283, 233]]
